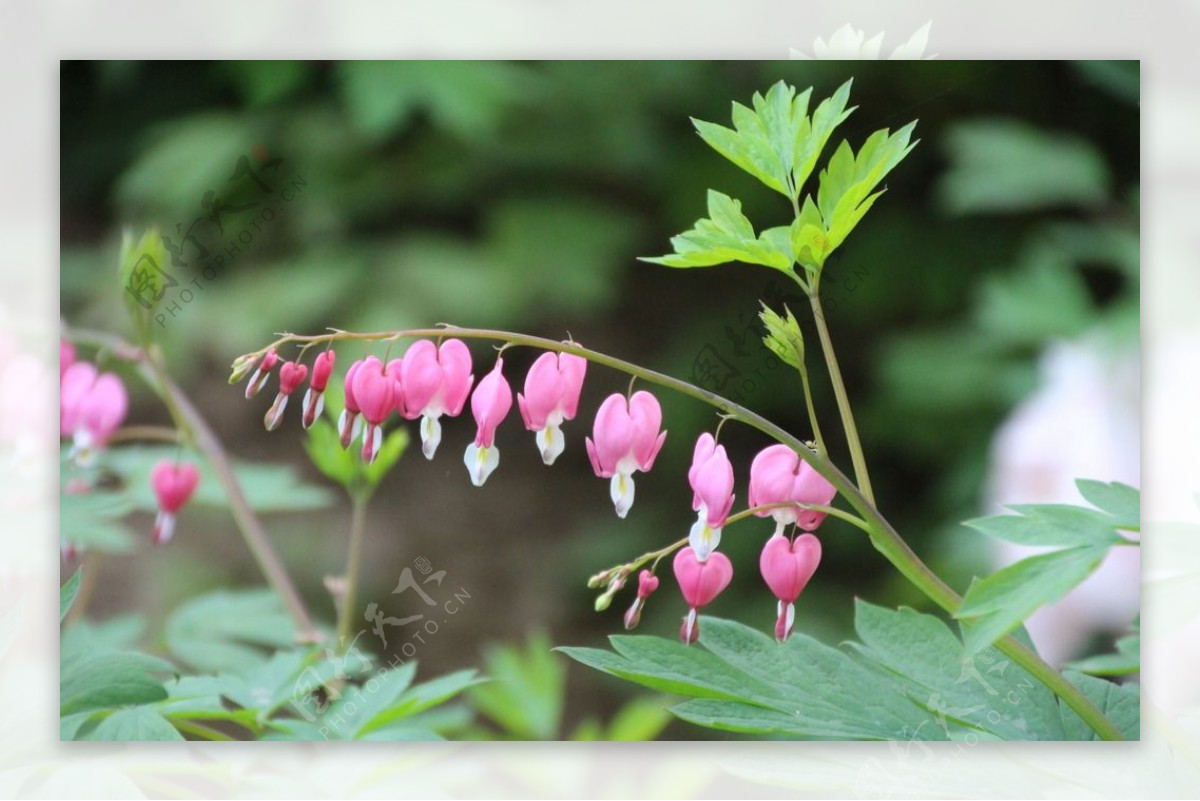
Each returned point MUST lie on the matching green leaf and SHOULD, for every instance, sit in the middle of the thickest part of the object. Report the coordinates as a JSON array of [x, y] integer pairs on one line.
[[639, 720], [324, 448], [393, 448], [228, 630], [1120, 703], [526, 691], [982, 691], [134, 725], [1125, 662], [421, 697], [68, 593], [1000, 165], [354, 713], [1050, 524], [91, 521], [846, 189], [144, 278], [783, 338], [996, 605], [776, 141], [1121, 501], [109, 680], [725, 235]]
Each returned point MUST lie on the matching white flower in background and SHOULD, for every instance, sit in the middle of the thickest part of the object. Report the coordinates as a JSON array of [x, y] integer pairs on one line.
[[849, 43], [1081, 423]]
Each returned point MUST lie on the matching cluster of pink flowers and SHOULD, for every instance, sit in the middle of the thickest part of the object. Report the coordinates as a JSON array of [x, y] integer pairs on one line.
[[92, 406], [432, 381]]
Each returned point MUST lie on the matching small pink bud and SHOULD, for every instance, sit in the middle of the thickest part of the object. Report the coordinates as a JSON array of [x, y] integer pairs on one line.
[[173, 485], [375, 395], [349, 424], [626, 438], [647, 584], [291, 376], [779, 475], [786, 566], [437, 381], [258, 379], [314, 396], [711, 477], [490, 404], [552, 390], [700, 582]]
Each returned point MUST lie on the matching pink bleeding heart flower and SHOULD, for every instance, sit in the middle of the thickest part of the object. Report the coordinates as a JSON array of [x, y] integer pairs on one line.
[[552, 390], [314, 396], [779, 475], [262, 371], [291, 376], [625, 438], [711, 477], [173, 485], [66, 356], [701, 582], [91, 408], [437, 381], [786, 566], [647, 584], [375, 394], [490, 404], [349, 422]]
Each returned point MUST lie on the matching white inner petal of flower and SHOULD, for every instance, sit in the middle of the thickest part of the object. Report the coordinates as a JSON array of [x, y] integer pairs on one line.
[[431, 434], [703, 538], [550, 442], [621, 491], [481, 462]]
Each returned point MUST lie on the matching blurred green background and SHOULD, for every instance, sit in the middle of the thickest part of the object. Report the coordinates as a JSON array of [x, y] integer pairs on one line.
[[518, 195]]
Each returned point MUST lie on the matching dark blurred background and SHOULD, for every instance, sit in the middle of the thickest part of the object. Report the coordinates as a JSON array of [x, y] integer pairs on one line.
[[517, 195]]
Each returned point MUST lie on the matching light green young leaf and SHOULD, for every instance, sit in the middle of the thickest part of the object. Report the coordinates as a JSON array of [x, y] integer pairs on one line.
[[1050, 524], [639, 720], [1121, 501], [724, 236], [68, 593], [421, 697], [144, 279], [1125, 662], [526, 691], [783, 338], [997, 604], [135, 725]]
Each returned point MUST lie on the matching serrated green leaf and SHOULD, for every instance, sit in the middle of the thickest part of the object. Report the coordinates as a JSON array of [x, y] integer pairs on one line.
[[1125, 662], [67, 594], [1120, 703], [421, 697], [1050, 524], [997, 604], [726, 235], [135, 725], [784, 337], [110, 680], [526, 691], [354, 713], [228, 630], [1121, 501]]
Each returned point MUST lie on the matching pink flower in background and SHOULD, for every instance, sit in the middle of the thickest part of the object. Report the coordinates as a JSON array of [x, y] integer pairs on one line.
[[437, 381], [786, 566], [552, 390], [625, 438], [779, 475], [647, 584], [700, 582], [491, 403], [291, 376], [314, 396], [258, 379], [349, 422], [711, 477], [91, 407], [173, 485], [375, 394]]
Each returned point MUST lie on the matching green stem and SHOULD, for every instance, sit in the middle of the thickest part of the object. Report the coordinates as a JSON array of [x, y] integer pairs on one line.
[[885, 538], [812, 411], [839, 392], [358, 526], [188, 419]]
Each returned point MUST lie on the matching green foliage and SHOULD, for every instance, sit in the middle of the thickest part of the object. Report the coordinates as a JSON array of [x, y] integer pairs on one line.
[[1120, 703], [1125, 662], [783, 336], [908, 679], [995, 605], [68, 593], [1004, 165], [228, 630], [727, 235], [344, 466], [91, 521], [525, 697], [90, 681], [776, 141], [135, 724], [142, 279]]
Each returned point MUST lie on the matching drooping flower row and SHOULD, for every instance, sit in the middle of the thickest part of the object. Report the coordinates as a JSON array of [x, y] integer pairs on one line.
[[431, 381]]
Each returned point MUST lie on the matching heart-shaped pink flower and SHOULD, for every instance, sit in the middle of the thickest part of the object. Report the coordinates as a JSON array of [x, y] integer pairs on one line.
[[700, 582], [786, 566]]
